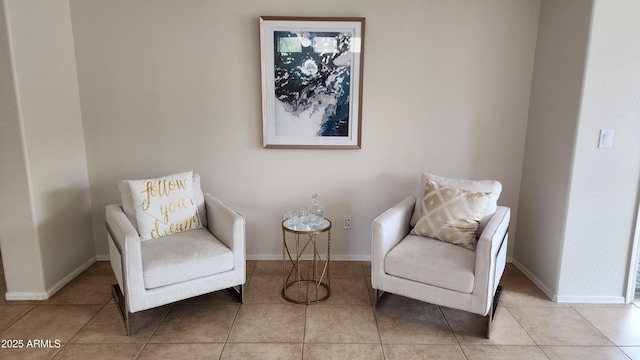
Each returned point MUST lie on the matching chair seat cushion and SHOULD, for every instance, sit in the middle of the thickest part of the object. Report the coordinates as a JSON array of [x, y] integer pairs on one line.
[[183, 256], [432, 262]]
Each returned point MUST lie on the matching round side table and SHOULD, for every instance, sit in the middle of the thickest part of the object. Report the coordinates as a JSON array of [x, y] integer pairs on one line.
[[305, 282]]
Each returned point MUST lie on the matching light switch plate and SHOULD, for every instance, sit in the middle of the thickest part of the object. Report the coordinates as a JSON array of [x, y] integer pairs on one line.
[[606, 139]]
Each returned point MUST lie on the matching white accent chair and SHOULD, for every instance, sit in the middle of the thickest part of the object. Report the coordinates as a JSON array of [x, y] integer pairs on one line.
[[156, 272], [437, 272]]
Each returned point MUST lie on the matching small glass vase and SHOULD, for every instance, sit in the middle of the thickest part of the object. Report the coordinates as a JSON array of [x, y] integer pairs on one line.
[[316, 210]]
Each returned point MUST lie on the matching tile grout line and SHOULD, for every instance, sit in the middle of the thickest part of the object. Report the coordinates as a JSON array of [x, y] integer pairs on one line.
[[598, 330], [452, 332], [372, 302], [525, 330], [248, 277], [304, 331], [19, 317], [81, 328], [226, 341], [144, 345], [375, 318], [520, 324]]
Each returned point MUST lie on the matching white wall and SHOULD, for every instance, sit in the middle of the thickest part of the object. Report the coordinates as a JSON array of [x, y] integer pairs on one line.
[[168, 86], [46, 161], [604, 184], [578, 203], [563, 36], [18, 236]]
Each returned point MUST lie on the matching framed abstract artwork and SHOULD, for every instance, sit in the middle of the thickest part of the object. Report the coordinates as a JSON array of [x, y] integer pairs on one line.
[[312, 81]]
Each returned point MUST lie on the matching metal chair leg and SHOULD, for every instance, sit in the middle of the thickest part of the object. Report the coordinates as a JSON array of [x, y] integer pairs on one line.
[[379, 296], [493, 309], [126, 316], [238, 291]]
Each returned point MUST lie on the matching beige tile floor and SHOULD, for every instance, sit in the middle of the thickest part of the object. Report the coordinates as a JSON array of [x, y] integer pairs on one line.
[[85, 321]]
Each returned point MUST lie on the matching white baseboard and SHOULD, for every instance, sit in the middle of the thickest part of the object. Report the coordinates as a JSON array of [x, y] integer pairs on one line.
[[569, 298], [39, 296], [70, 277], [23, 296], [535, 280], [591, 299]]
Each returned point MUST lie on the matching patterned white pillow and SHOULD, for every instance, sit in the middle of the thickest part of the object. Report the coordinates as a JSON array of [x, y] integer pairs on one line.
[[492, 186], [165, 205], [450, 214]]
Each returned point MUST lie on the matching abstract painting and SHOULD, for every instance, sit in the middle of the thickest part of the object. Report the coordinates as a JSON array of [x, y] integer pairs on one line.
[[312, 81]]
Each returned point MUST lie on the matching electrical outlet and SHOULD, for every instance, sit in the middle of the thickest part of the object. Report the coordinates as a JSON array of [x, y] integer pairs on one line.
[[346, 222]]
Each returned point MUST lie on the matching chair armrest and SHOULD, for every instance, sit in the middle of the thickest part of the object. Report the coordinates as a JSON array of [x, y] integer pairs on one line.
[[125, 235], [491, 238], [492, 241], [127, 241], [388, 230], [225, 224]]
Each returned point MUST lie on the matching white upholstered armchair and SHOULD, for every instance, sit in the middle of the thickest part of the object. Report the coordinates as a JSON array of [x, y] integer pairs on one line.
[[441, 272], [179, 265]]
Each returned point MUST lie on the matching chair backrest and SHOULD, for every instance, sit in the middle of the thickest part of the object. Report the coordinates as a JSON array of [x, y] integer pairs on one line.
[[492, 186]]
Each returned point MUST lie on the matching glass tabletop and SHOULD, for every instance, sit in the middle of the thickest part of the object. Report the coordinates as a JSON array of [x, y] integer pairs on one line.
[[311, 224]]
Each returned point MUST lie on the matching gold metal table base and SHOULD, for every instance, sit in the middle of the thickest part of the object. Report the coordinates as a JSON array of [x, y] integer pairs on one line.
[[305, 281], [306, 286]]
